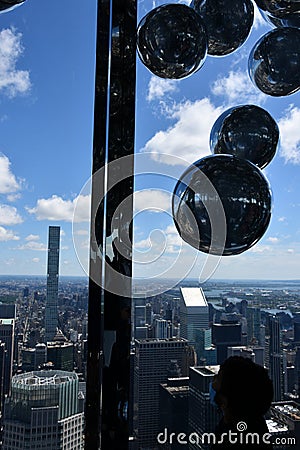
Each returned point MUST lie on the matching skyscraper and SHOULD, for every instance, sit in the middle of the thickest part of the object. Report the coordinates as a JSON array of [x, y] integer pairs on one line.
[[43, 412], [226, 334], [148, 313], [253, 324], [7, 334], [296, 321], [203, 416], [173, 407], [193, 313], [153, 361], [276, 369], [51, 315]]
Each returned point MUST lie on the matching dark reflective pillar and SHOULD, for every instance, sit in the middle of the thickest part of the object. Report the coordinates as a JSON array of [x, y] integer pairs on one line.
[[111, 228]]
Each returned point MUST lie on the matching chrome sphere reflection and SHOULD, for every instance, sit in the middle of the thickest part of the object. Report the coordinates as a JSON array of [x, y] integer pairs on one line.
[[248, 132], [228, 23], [274, 62], [291, 20], [9, 4], [279, 8], [281, 13], [172, 41], [244, 194]]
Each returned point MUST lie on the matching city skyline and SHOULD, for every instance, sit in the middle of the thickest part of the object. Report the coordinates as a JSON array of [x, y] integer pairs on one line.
[[243, 305]]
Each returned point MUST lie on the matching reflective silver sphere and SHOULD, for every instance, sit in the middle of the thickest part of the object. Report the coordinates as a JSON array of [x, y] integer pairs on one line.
[[248, 132], [172, 41], [274, 62], [218, 185], [7, 4], [228, 23]]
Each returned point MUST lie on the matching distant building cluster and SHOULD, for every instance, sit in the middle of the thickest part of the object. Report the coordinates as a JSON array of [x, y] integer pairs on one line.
[[172, 393], [179, 339]]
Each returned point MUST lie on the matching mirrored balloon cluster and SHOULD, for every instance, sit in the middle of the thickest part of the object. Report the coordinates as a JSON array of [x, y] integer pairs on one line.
[[173, 40], [244, 140], [274, 62], [228, 187]]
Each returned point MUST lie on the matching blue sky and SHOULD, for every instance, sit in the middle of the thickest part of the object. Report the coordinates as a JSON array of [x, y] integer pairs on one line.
[[46, 118]]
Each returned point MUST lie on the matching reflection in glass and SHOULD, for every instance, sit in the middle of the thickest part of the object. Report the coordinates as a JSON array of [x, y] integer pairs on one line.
[[248, 132], [228, 23], [274, 62], [281, 13], [292, 20], [241, 189], [172, 41], [9, 4]]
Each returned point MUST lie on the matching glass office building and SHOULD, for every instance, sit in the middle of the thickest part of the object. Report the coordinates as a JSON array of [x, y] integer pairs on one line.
[[43, 412]]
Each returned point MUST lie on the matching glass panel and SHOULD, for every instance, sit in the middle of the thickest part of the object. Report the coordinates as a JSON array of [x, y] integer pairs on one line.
[[190, 309]]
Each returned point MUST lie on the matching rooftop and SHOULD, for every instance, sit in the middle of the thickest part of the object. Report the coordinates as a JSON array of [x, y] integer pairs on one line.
[[291, 410], [160, 340], [6, 321], [276, 427], [44, 377], [207, 370], [193, 296]]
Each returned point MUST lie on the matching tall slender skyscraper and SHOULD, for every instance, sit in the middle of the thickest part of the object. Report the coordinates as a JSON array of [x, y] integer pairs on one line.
[[51, 314], [276, 368]]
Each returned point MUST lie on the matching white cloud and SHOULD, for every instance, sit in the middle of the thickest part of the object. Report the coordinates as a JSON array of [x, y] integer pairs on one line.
[[144, 243], [152, 199], [32, 237], [9, 215], [237, 88], [81, 232], [7, 235], [8, 181], [282, 219], [159, 87], [260, 248], [273, 240], [13, 197], [189, 137], [33, 245], [170, 237], [290, 135], [85, 244], [12, 80], [36, 260], [56, 208], [290, 250]]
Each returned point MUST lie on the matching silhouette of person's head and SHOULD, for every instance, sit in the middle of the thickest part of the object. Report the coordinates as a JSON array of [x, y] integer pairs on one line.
[[244, 390]]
